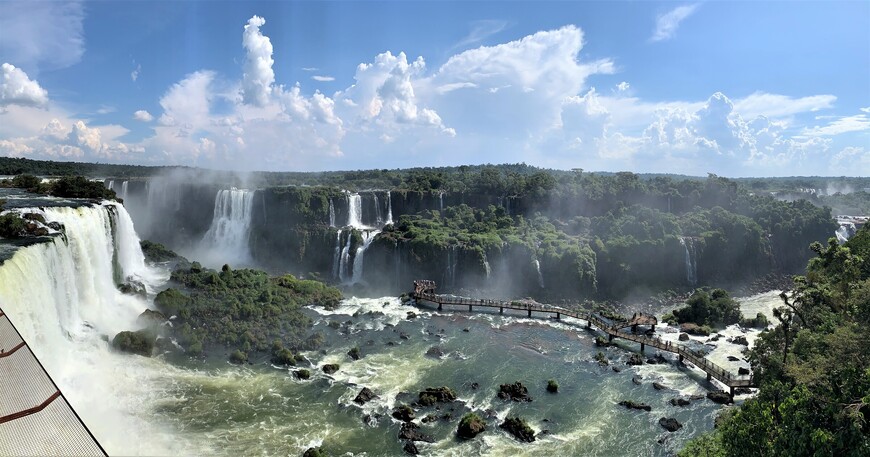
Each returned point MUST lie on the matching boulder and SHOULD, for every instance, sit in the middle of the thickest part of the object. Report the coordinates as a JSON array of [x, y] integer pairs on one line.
[[731, 358], [404, 336], [432, 395], [552, 386], [436, 352], [635, 359], [694, 329], [330, 368], [723, 398], [411, 431], [410, 448], [635, 405], [139, 342], [684, 337], [302, 374], [474, 386], [412, 315], [742, 371], [658, 386], [636, 379], [34, 217], [150, 318], [601, 342], [519, 429], [133, 287], [56, 226], [364, 396], [314, 452], [658, 359], [680, 402], [670, 424], [354, 353], [470, 426], [516, 392], [404, 413], [740, 340]]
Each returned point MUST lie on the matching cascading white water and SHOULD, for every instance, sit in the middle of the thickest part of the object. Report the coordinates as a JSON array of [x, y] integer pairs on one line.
[[332, 214], [354, 211], [378, 219], [110, 184], [845, 232], [230, 226], [61, 296], [124, 190], [336, 259], [389, 208], [691, 263], [441, 202], [345, 256], [486, 266], [540, 276], [358, 259], [452, 260], [130, 259]]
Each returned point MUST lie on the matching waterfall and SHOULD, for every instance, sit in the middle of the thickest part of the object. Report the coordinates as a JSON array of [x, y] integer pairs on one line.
[[691, 261], [110, 184], [230, 226], [332, 214], [452, 261], [345, 256], [486, 266], [61, 296], [354, 211], [124, 191], [441, 202], [378, 219], [389, 207], [846, 231], [336, 258], [368, 237], [540, 276]]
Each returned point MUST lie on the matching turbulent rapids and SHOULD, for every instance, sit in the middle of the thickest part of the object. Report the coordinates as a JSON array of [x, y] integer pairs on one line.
[[62, 295]]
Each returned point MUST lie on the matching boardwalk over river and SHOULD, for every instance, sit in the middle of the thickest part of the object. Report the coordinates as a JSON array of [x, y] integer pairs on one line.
[[424, 290]]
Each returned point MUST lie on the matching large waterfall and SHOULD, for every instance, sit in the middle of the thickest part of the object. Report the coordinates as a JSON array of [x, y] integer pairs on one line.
[[230, 226], [540, 275], [847, 230], [691, 261], [61, 295], [368, 237], [389, 208], [354, 210]]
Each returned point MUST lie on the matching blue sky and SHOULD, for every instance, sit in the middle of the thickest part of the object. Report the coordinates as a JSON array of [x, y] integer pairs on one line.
[[732, 88]]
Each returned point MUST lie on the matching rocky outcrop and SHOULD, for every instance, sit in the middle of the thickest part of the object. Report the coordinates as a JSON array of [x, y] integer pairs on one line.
[[150, 318], [314, 452], [630, 404], [743, 371], [720, 397], [330, 368], [516, 392], [302, 374], [684, 337], [133, 287], [354, 353], [139, 342], [410, 448], [670, 424], [552, 386], [403, 413], [364, 396], [658, 386], [694, 329], [436, 352], [519, 429], [635, 359], [740, 340], [680, 402], [431, 395], [470, 426], [411, 431]]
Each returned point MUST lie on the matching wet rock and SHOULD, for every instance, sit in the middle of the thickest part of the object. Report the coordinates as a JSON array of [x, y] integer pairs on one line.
[[516, 392], [411, 431], [490, 414], [742, 371], [330, 368], [364, 396], [354, 353], [466, 330], [410, 448], [740, 340], [150, 318], [435, 352], [470, 426], [694, 329], [404, 413], [657, 359], [601, 359], [412, 315], [731, 358], [56, 226], [636, 379], [742, 391], [431, 395], [716, 337], [696, 397], [371, 419], [723, 398], [34, 217], [670, 424], [404, 336], [617, 369], [635, 359], [474, 386], [630, 404], [601, 342], [680, 402], [314, 452], [658, 386], [139, 342], [302, 374], [132, 287], [519, 429], [429, 418], [684, 337], [552, 386]]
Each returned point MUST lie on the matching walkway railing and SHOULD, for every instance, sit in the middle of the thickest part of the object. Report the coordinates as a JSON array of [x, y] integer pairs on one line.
[[610, 328]]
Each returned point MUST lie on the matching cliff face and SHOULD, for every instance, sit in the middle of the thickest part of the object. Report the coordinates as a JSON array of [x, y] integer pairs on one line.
[[550, 247]]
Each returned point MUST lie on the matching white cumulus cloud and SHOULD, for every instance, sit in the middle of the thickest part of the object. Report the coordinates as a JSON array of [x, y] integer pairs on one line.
[[258, 74], [142, 115], [667, 24], [17, 89], [42, 35]]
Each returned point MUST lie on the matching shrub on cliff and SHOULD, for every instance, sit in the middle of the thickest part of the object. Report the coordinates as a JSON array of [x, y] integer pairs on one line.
[[11, 225], [470, 426], [79, 187], [709, 308], [139, 342]]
